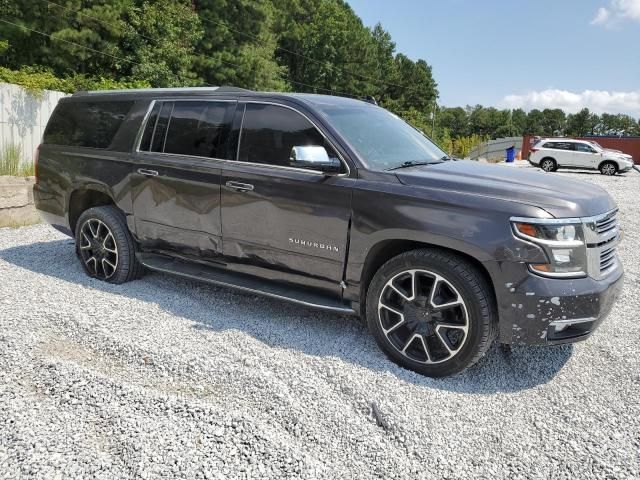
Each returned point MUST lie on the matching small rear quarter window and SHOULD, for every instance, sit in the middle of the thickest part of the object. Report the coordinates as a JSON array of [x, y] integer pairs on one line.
[[86, 124]]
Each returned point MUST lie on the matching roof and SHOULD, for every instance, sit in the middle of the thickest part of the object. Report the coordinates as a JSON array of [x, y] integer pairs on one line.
[[564, 139], [308, 98]]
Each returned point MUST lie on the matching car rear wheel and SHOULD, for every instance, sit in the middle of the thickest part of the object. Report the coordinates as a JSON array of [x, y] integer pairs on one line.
[[608, 168], [431, 311], [548, 165], [105, 245]]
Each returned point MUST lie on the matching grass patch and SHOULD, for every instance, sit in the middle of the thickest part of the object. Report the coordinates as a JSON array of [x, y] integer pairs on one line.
[[11, 162]]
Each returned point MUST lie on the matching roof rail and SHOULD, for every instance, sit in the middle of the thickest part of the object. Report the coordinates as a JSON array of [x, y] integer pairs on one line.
[[163, 90]]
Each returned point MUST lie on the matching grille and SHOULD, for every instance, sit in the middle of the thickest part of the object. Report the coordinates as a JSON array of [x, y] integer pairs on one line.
[[607, 258], [607, 224], [604, 245]]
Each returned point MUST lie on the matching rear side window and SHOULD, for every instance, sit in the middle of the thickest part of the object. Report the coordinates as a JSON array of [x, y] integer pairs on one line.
[[196, 128], [199, 128], [559, 145], [86, 124], [269, 132]]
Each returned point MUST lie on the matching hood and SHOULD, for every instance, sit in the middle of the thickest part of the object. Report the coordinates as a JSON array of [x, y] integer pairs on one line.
[[558, 195], [617, 153]]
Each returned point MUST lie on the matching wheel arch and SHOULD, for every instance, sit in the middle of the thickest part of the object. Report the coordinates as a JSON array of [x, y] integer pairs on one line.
[[86, 197], [609, 160], [385, 250]]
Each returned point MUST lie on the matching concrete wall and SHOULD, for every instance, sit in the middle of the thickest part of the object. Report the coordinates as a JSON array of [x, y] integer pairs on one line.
[[24, 116], [16, 201], [494, 149]]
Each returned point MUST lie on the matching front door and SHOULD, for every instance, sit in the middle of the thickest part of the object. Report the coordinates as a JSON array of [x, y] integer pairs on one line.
[[288, 224], [176, 180], [585, 156]]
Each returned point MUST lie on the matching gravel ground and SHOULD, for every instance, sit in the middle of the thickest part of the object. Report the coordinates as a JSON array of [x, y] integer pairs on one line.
[[164, 378]]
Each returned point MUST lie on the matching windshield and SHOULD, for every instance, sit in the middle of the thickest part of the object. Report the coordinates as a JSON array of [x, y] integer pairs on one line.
[[380, 138], [597, 146]]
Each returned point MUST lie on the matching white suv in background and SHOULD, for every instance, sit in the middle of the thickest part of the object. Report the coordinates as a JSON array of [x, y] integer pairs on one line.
[[552, 153]]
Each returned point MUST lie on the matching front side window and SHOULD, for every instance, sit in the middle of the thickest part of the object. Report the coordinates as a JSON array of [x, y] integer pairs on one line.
[[269, 133], [86, 124], [582, 147]]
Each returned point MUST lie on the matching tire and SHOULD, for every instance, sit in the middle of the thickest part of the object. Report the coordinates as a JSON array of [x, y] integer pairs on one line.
[[608, 168], [548, 165], [105, 246], [418, 335]]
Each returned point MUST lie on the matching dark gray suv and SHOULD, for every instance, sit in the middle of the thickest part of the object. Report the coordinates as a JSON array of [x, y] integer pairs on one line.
[[331, 203]]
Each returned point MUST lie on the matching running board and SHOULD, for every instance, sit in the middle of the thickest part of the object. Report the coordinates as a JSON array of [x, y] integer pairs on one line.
[[241, 281]]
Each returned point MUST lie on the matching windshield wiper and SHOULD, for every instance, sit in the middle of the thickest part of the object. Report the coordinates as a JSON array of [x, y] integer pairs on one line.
[[413, 163]]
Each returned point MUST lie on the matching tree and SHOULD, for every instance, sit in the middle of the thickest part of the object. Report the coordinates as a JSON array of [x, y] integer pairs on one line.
[[535, 122], [553, 122], [582, 123]]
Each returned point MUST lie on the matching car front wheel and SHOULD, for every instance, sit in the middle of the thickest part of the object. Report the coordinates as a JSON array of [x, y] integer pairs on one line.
[[431, 311], [608, 168]]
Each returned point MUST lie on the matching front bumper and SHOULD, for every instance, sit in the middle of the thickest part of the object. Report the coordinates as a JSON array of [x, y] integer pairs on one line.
[[544, 311]]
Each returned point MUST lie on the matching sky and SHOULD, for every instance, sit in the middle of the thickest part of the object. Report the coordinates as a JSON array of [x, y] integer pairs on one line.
[[565, 54]]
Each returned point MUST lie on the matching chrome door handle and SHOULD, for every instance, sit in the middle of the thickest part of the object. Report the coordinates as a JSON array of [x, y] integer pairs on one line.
[[239, 187], [147, 173]]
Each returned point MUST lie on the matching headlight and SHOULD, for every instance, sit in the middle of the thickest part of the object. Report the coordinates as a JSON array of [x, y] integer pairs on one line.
[[563, 244]]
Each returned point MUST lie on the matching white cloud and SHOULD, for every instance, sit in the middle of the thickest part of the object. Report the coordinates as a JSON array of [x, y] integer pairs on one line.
[[601, 17], [617, 11], [598, 101]]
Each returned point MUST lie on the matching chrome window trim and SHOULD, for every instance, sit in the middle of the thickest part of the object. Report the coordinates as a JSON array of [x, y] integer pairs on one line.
[[142, 128], [244, 111], [236, 161]]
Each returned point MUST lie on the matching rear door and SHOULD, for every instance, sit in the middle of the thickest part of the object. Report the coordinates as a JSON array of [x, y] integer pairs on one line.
[[563, 153], [176, 178], [288, 224]]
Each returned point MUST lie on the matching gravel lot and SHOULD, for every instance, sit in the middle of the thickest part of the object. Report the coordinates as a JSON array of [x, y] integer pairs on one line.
[[165, 378]]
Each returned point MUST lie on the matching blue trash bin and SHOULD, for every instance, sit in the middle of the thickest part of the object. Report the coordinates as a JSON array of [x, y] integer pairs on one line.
[[511, 154]]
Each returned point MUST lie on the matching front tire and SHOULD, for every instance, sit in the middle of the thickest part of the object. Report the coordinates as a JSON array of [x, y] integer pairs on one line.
[[105, 246], [608, 168], [431, 311]]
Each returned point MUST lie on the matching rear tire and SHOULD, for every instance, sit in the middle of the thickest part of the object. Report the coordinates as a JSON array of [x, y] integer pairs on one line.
[[105, 246], [608, 168], [548, 165], [431, 311]]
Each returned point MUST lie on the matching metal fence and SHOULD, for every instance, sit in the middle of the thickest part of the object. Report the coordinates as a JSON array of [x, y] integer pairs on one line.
[[23, 117]]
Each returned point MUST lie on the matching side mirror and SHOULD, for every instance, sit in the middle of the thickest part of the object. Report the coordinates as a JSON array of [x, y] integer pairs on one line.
[[314, 157]]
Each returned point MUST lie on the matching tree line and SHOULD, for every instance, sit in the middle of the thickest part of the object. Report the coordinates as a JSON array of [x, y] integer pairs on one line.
[[318, 46]]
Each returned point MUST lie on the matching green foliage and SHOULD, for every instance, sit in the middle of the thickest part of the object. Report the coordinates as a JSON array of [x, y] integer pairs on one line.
[[277, 45], [35, 80], [11, 162]]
